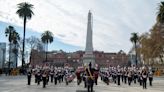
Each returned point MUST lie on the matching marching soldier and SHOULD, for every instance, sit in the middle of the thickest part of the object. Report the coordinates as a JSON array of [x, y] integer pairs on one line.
[[96, 73], [35, 72], [55, 77], [114, 75], [144, 77], [52, 75], [140, 76], [62, 75], [129, 76], [122, 75], [150, 78], [59, 76], [101, 75], [44, 76], [135, 76], [47, 77], [39, 77], [125, 75], [85, 79], [78, 77], [106, 79], [66, 76], [29, 76], [118, 76]]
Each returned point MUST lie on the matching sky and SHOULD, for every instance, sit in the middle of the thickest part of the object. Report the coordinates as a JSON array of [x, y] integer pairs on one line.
[[113, 21]]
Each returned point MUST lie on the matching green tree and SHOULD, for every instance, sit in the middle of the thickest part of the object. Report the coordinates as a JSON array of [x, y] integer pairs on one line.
[[160, 13], [16, 39], [47, 37], [25, 12], [158, 42], [134, 39], [13, 38], [152, 45], [146, 48]]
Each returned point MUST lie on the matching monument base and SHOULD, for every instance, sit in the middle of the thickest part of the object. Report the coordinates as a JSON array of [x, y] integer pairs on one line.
[[87, 58]]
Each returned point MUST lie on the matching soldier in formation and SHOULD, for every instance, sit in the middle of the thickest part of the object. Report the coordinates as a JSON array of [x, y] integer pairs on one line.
[[118, 75], [29, 71], [127, 75], [150, 75], [46, 73]]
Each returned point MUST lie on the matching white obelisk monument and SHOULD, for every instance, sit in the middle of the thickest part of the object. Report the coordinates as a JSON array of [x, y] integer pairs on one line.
[[88, 56]]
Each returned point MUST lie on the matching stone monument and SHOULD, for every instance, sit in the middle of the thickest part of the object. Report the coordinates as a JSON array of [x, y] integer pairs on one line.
[[89, 56]]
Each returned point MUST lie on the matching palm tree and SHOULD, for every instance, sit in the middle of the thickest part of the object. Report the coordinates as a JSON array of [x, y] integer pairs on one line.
[[160, 13], [25, 12], [10, 33], [16, 38], [47, 37], [134, 39]]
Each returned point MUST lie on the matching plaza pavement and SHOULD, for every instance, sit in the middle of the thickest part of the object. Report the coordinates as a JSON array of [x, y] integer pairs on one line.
[[19, 84]]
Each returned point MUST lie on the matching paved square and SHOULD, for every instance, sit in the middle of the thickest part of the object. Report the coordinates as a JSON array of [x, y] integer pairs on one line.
[[19, 84]]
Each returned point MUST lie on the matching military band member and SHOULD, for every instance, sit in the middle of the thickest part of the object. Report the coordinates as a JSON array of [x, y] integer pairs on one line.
[[44, 78], [29, 76], [78, 77], [150, 78], [129, 77], [140, 78], [35, 72], [59, 76], [106, 79], [67, 74], [55, 77], [52, 75], [117, 73], [96, 73], [84, 79], [135, 76], [144, 77], [101, 75], [62, 75], [48, 76], [122, 75], [118, 76], [39, 77], [125, 76], [114, 75]]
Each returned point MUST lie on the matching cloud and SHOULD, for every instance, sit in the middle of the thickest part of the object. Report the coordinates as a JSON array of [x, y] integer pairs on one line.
[[113, 20]]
